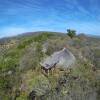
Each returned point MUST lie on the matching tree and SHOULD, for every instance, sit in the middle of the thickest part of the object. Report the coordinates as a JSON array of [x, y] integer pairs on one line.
[[71, 33]]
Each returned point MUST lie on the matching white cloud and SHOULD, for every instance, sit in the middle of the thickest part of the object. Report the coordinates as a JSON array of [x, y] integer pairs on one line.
[[11, 31]]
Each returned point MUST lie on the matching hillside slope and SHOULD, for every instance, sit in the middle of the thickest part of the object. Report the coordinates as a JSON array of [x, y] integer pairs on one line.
[[21, 77]]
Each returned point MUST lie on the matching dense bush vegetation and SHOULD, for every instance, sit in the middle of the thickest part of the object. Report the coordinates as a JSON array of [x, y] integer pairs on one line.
[[21, 76]]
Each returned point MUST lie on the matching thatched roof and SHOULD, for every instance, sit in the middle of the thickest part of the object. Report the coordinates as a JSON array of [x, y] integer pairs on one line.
[[63, 57]]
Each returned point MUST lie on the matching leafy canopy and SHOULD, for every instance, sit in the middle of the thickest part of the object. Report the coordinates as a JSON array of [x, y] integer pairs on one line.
[[71, 33]]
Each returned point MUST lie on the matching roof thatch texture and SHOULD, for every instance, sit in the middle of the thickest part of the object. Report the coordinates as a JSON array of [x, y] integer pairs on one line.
[[63, 58]]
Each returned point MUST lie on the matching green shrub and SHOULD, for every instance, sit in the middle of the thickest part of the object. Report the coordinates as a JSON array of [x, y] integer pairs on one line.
[[71, 33], [42, 37]]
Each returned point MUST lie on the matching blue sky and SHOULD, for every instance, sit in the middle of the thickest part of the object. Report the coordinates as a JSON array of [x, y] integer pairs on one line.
[[18, 16]]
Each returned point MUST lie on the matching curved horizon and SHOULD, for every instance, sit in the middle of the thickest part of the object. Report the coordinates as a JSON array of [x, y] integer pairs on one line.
[[49, 15]]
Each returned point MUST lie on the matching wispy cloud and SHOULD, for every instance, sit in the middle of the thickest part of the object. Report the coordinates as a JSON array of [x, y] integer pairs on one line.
[[18, 16], [11, 31]]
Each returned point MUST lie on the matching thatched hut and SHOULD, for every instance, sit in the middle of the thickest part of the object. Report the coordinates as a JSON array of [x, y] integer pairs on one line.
[[62, 59]]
